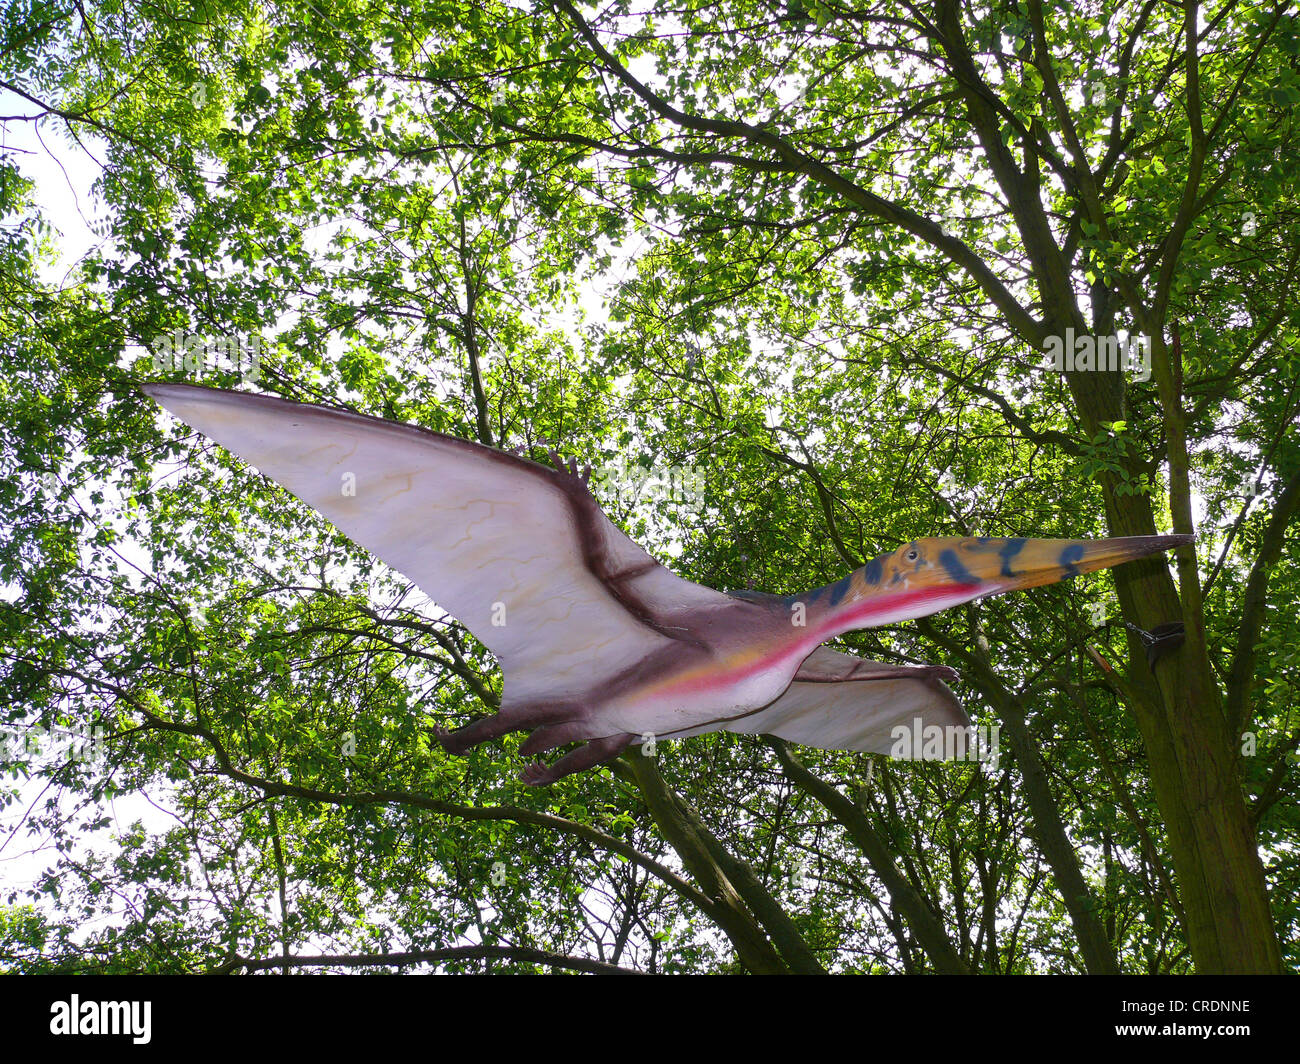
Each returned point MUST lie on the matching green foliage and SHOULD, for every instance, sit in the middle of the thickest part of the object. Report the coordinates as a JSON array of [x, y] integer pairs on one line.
[[453, 214]]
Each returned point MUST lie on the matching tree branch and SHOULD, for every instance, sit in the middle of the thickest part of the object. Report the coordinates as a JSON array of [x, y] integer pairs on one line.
[[522, 954]]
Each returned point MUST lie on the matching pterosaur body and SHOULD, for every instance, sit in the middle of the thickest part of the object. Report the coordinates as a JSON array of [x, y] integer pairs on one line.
[[599, 643]]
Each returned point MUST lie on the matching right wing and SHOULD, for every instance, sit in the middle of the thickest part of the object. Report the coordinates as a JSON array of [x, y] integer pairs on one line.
[[838, 701]]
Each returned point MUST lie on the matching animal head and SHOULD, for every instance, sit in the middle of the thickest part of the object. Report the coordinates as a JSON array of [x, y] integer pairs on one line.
[[926, 575]]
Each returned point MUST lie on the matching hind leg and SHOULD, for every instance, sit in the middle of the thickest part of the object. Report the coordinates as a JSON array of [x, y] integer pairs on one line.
[[595, 752], [516, 718], [460, 740]]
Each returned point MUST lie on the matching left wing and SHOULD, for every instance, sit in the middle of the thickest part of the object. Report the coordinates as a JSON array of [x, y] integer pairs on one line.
[[520, 554]]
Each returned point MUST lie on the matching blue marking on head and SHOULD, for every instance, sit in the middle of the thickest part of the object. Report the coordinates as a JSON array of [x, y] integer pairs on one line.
[[1069, 555], [873, 571], [1009, 550], [815, 593], [956, 571]]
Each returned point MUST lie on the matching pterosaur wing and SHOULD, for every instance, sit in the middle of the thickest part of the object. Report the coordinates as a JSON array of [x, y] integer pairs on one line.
[[839, 701], [519, 553]]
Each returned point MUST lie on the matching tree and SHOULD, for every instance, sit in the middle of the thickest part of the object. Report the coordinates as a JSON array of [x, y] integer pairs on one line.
[[835, 245]]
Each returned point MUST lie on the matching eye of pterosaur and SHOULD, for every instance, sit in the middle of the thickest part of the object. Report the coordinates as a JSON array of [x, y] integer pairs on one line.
[[913, 554]]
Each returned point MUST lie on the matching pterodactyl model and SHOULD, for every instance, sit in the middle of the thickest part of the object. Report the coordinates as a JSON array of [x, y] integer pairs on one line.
[[598, 643]]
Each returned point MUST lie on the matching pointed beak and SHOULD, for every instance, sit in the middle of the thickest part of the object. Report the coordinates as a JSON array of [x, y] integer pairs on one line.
[[1004, 565], [928, 575]]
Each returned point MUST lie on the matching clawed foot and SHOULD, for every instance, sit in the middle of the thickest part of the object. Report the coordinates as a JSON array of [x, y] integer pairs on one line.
[[537, 775], [570, 467]]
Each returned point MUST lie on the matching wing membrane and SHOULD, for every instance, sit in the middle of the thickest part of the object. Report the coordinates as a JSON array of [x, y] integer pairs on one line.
[[519, 553], [842, 702]]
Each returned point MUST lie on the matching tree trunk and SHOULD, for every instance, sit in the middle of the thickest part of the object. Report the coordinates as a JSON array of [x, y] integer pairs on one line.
[[1192, 755]]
